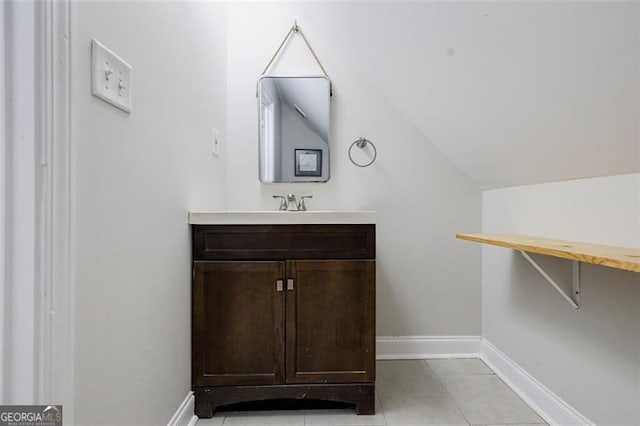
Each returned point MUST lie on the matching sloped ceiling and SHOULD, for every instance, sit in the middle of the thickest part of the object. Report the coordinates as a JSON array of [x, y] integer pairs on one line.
[[511, 92]]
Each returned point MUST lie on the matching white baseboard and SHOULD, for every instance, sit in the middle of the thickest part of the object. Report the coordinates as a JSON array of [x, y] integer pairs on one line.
[[422, 347], [546, 403], [184, 415], [542, 400]]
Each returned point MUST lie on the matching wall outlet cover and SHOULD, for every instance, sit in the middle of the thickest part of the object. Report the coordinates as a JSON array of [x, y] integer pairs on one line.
[[215, 142], [111, 77]]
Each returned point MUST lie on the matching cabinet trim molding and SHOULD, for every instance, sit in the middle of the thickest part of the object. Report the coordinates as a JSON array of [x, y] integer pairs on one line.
[[283, 242]]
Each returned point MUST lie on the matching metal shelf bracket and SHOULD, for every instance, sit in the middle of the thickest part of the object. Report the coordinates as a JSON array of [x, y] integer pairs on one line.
[[573, 300]]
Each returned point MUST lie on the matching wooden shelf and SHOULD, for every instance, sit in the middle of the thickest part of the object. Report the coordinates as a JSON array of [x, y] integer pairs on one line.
[[614, 257]]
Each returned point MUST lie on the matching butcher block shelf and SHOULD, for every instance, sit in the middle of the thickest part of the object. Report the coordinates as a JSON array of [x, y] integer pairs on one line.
[[597, 254]]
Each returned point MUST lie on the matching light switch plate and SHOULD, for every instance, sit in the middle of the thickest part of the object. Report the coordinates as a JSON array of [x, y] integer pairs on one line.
[[110, 77]]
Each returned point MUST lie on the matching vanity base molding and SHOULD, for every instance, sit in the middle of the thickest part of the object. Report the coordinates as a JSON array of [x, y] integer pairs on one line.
[[361, 395]]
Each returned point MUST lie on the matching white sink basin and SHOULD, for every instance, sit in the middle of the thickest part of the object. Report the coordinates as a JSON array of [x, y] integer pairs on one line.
[[281, 217]]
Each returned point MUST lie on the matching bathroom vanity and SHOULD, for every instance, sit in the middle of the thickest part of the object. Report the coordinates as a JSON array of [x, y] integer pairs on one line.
[[283, 308]]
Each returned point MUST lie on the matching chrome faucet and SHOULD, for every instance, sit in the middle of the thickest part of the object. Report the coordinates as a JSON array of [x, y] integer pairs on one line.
[[292, 204], [289, 203], [283, 202], [301, 206]]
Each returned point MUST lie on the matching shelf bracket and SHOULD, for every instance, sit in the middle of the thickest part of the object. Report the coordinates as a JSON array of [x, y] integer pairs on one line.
[[573, 300]]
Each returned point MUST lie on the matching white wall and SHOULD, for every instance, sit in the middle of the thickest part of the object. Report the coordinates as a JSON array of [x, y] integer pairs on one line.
[[496, 83], [428, 284], [135, 177], [589, 357]]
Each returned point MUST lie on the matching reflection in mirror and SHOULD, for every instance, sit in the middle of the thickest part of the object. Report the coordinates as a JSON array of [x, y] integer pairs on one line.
[[294, 129]]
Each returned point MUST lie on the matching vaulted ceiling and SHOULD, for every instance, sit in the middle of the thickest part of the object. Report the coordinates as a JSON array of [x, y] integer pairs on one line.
[[511, 92]]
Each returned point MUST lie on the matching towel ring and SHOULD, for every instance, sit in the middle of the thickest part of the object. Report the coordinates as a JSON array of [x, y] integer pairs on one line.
[[361, 143]]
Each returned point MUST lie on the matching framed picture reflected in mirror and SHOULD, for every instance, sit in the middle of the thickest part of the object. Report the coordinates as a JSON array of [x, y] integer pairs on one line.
[[308, 162]]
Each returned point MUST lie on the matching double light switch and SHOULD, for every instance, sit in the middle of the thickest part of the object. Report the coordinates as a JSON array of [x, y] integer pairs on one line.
[[110, 77]]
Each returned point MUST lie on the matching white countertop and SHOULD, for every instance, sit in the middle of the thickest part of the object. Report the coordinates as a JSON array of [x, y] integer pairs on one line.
[[281, 217]]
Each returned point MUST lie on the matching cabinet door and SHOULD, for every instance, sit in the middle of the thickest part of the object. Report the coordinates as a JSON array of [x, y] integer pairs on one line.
[[331, 321], [238, 323]]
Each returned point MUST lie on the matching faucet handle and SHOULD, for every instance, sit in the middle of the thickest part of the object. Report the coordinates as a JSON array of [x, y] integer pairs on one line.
[[301, 205], [283, 201]]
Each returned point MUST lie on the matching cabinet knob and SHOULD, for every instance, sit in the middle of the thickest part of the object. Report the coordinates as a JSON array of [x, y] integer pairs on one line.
[[279, 285], [290, 284]]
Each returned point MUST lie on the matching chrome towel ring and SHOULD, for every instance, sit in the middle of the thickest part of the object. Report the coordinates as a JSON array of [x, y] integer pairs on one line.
[[362, 143]]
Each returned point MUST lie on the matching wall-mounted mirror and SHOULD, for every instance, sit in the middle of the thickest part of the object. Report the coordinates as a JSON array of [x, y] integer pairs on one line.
[[294, 129]]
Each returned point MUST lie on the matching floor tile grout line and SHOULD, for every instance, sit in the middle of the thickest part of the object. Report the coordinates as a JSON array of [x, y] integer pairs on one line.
[[520, 398], [386, 422], [493, 373], [384, 416], [440, 379], [424, 361]]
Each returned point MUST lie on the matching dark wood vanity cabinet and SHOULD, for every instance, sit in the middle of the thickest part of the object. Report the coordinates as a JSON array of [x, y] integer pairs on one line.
[[238, 323], [283, 312]]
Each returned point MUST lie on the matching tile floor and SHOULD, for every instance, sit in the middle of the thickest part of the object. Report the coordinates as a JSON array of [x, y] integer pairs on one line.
[[447, 391]]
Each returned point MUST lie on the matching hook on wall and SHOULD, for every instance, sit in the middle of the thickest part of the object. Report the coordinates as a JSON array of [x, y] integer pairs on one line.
[[362, 143], [295, 29]]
